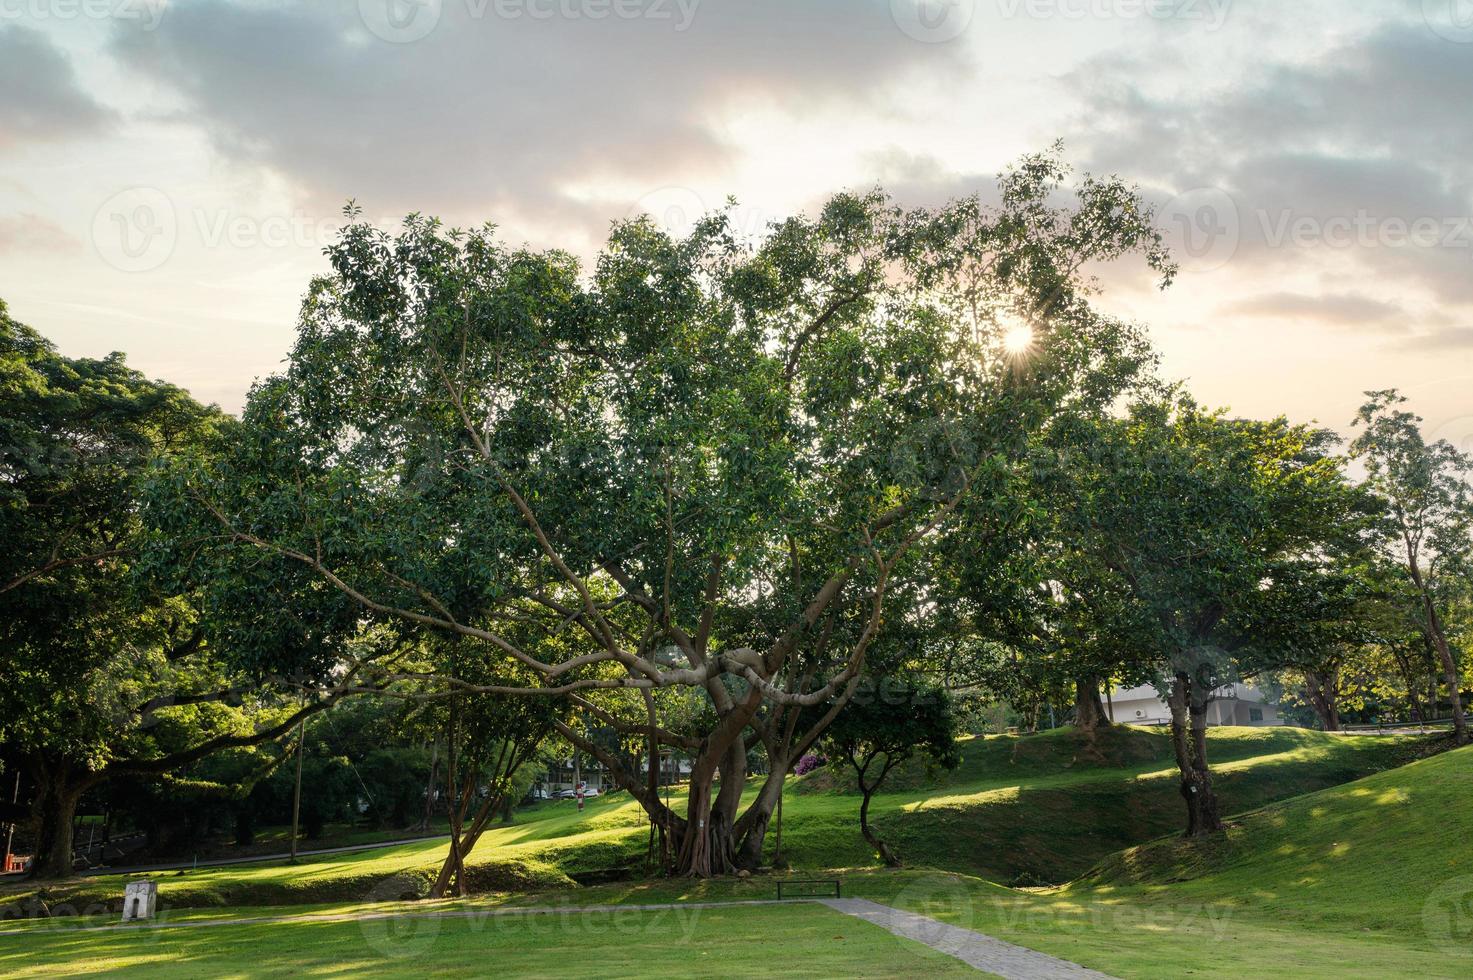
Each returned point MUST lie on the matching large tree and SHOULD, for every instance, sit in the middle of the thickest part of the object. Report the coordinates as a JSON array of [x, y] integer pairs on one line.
[[697, 468], [1429, 530]]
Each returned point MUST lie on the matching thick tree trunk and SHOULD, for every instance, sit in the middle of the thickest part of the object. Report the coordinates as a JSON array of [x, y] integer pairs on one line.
[[751, 829], [1322, 692], [1189, 740], [54, 812], [704, 842], [1089, 711]]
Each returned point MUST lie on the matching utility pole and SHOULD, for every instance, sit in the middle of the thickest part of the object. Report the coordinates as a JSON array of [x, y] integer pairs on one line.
[[297, 793]]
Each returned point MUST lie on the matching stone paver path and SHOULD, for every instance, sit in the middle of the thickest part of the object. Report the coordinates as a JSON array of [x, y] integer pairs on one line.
[[973, 948]]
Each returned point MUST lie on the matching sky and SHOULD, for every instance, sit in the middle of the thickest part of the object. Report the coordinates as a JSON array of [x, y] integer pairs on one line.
[[171, 169]]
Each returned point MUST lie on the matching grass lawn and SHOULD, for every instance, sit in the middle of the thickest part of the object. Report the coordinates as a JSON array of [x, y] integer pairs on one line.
[[1373, 878], [1027, 809], [793, 940]]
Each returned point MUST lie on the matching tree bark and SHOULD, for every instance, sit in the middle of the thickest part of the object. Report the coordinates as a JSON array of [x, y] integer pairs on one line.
[[55, 812], [1450, 672], [1209, 817], [883, 849], [1089, 711], [424, 823], [1439, 645], [1189, 740], [1322, 691], [868, 789]]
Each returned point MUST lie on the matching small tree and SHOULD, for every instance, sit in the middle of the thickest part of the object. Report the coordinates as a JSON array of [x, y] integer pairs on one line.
[[886, 726]]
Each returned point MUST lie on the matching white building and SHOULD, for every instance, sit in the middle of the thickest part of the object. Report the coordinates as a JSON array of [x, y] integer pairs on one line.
[[1234, 704]]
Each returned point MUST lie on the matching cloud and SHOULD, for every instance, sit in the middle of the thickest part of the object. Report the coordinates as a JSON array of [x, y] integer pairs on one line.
[[499, 108], [30, 232], [43, 100], [1332, 161], [1448, 339], [1348, 309]]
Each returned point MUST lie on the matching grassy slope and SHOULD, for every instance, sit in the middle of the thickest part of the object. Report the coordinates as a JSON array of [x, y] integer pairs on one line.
[[1370, 854], [1046, 806], [1042, 809], [1369, 879]]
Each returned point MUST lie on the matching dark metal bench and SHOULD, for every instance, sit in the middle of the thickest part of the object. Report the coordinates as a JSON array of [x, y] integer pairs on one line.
[[809, 883]]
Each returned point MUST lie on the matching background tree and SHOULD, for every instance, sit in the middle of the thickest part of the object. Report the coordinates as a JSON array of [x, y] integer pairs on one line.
[[1214, 531], [1429, 531], [106, 674]]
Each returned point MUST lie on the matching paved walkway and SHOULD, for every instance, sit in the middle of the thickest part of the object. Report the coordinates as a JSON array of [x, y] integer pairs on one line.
[[972, 948]]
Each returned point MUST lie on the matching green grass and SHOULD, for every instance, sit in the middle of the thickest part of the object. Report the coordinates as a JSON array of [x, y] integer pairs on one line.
[[797, 941], [1370, 878], [1043, 809], [1040, 809]]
